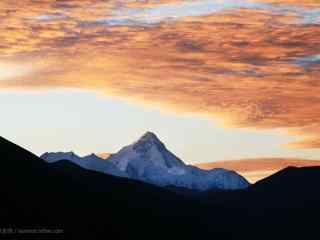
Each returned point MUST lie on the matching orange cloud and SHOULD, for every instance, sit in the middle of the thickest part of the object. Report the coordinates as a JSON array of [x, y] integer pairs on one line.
[[240, 66]]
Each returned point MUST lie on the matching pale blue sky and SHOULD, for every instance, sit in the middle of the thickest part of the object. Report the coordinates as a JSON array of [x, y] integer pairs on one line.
[[64, 120]]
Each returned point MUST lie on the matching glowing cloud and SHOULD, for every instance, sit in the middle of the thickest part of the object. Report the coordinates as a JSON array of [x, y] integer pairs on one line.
[[252, 64], [9, 70]]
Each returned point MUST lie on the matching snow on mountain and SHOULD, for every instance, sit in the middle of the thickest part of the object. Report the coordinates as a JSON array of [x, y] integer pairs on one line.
[[146, 152], [150, 161], [57, 156], [90, 162]]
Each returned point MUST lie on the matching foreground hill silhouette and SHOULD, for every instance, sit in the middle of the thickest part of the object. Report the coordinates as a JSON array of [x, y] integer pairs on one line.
[[89, 204], [255, 169], [92, 205]]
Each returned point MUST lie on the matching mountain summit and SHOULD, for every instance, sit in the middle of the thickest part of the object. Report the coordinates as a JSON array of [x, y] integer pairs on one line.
[[149, 137], [149, 160], [148, 152]]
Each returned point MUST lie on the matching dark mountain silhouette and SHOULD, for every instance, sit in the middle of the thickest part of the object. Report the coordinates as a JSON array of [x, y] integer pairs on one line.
[[292, 186], [92, 205], [89, 204]]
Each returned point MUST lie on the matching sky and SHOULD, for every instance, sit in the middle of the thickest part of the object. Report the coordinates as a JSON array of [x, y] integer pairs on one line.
[[214, 79]]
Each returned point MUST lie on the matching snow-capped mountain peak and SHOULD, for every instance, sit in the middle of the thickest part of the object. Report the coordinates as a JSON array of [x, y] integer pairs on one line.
[[146, 152], [149, 138], [147, 142], [150, 161]]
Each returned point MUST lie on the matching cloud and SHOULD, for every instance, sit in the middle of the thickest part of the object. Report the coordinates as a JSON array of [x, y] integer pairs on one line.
[[307, 143], [173, 11], [9, 71], [242, 66]]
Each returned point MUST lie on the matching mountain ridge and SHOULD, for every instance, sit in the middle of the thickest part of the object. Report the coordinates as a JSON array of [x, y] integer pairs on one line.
[[148, 160]]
